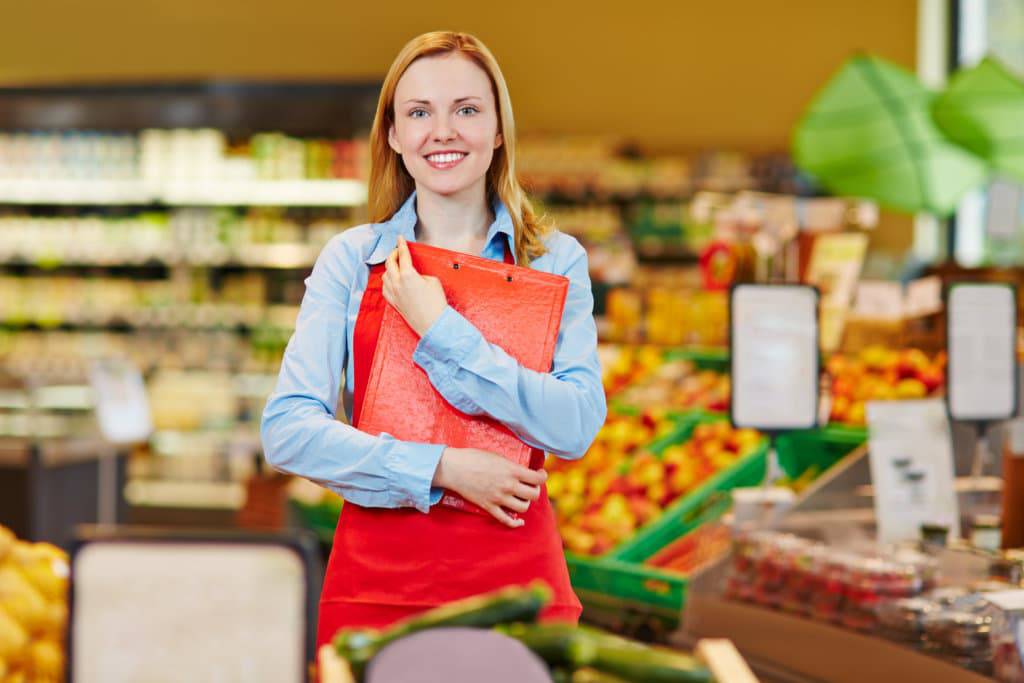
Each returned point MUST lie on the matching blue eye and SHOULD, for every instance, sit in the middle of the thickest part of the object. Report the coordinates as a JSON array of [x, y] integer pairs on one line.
[[472, 110], [414, 112]]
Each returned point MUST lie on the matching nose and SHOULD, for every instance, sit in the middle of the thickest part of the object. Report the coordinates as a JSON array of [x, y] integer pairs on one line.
[[443, 130]]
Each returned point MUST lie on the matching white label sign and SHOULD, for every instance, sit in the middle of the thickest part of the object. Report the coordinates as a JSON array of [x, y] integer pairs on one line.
[[982, 340], [879, 300], [774, 331], [189, 590], [911, 459], [122, 407]]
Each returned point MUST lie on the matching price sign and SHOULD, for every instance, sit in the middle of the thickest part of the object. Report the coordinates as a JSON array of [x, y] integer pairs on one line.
[[774, 356], [982, 346], [911, 458]]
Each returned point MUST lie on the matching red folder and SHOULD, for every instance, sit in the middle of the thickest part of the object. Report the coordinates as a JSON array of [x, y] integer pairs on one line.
[[516, 308]]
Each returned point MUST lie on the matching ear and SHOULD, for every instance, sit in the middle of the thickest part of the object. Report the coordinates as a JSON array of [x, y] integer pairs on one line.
[[393, 141], [498, 140]]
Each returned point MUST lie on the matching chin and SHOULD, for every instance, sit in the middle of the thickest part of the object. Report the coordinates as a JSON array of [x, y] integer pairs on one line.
[[449, 188]]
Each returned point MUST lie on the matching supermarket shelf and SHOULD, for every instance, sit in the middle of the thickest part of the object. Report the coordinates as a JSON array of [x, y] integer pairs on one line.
[[282, 255], [195, 193], [198, 317]]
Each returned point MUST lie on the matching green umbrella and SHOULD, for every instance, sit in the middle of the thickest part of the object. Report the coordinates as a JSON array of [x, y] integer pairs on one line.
[[869, 133], [983, 110]]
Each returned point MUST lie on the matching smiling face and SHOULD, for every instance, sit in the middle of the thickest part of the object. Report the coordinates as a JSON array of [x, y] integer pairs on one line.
[[446, 124]]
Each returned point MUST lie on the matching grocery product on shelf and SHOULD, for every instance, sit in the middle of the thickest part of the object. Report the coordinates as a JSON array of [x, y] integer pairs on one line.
[[878, 373], [176, 154], [666, 306], [695, 550], [816, 580], [621, 365], [33, 609], [679, 385], [625, 480], [257, 236]]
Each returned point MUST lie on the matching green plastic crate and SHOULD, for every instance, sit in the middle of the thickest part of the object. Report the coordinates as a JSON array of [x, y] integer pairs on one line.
[[320, 518], [821, 448], [709, 501], [703, 358], [621, 578]]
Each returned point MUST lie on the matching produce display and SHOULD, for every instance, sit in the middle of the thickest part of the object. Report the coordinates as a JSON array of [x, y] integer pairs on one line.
[[679, 385], [573, 653], [667, 307], [881, 374], [33, 610], [621, 483], [695, 550], [623, 365]]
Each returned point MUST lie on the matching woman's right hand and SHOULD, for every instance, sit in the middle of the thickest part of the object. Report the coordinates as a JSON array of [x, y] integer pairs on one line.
[[492, 482]]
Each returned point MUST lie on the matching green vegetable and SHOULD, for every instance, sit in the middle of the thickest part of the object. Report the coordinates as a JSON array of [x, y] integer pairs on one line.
[[635, 662], [581, 647], [511, 604], [595, 676]]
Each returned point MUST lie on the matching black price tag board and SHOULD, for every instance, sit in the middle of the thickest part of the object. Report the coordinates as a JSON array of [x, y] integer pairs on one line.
[[774, 356], [981, 383]]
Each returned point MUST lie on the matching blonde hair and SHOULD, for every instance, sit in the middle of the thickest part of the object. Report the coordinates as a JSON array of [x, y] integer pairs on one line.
[[390, 183]]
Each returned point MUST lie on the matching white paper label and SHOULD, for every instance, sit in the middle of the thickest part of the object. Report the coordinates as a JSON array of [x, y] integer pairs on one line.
[[911, 460], [774, 356], [1003, 210], [982, 352], [122, 407], [1008, 601], [924, 296], [879, 300]]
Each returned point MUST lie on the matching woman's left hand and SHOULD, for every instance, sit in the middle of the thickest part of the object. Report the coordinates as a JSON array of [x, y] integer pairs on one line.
[[419, 298]]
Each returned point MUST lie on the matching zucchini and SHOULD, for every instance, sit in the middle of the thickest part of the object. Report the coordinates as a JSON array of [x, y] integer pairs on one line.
[[648, 664], [573, 647], [488, 610], [595, 676], [559, 645]]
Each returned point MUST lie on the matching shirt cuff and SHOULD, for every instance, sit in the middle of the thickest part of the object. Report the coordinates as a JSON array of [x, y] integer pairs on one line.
[[412, 466], [441, 351]]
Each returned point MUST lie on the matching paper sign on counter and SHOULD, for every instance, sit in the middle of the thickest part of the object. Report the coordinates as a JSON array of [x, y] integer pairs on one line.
[[911, 458], [774, 356], [982, 338]]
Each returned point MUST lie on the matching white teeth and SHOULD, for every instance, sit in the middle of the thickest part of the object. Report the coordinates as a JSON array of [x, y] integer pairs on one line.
[[445, 158]]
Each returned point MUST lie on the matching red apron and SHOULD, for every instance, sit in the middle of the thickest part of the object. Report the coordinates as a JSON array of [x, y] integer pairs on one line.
[[387, 564]]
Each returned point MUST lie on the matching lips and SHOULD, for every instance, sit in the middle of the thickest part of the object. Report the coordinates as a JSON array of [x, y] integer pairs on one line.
[[444, 160]]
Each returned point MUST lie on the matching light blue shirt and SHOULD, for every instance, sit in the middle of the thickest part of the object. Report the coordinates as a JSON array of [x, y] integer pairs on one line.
[[559, 412]]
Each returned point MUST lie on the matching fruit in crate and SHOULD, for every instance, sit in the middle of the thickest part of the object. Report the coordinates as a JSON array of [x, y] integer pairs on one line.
[[680, 385], [878, 373], [33, 609], [620, 485], [624, 365]]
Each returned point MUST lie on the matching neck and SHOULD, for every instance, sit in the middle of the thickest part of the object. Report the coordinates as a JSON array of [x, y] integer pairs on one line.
[[457, 222]]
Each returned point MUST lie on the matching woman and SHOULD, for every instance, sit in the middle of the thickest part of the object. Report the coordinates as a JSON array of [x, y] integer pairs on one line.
[[443, 162]]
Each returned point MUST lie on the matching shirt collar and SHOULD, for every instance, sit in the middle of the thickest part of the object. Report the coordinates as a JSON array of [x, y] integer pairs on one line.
[[403, 223]]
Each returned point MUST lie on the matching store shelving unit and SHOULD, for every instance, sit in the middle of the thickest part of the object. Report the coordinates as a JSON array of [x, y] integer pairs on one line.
[[251, 226]]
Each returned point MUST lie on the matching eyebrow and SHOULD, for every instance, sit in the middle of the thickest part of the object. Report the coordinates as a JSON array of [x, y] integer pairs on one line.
[[461, 99]]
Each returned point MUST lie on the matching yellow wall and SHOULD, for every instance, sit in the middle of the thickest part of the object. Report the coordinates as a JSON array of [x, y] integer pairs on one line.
[[673, 74], [676, 74]]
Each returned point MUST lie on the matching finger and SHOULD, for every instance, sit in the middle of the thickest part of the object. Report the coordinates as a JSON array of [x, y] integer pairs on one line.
[[391, 262], [504, 517], [515, 504], [532, 477], [404, 257], [526, 492]]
